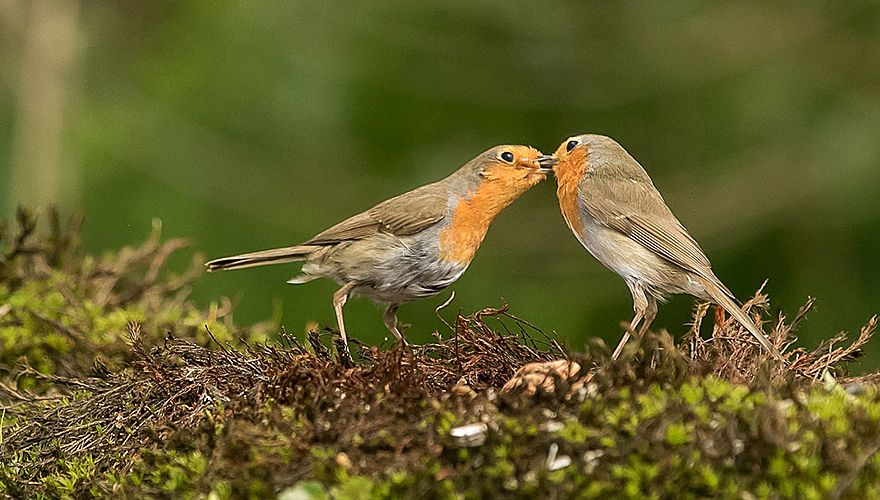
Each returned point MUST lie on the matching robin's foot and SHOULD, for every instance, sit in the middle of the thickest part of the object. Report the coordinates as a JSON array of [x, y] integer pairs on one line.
[[345, 358], [343, 352], [398, 336]]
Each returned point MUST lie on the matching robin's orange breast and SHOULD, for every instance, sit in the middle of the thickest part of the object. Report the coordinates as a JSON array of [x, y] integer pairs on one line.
[[569, 172], [471, 218]]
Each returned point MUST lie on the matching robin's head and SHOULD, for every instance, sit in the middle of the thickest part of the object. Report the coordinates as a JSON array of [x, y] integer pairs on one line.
[[503, 173], [577, 152], [483, 188], [515, 167]]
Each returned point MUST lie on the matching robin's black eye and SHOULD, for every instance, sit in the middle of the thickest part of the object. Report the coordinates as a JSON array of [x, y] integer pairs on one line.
[[507, 156], [571, 145]]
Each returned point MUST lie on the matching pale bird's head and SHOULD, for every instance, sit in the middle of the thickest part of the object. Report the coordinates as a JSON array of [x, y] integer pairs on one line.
[[574, 153]]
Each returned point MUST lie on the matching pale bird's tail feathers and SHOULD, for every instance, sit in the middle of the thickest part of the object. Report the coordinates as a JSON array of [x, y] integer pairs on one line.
[[729, 304], [261, 258]]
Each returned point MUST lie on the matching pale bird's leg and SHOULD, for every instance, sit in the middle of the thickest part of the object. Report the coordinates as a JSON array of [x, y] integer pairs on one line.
[[339, 298], [390, 318], [626, 334], [650, 314], [640, 306]]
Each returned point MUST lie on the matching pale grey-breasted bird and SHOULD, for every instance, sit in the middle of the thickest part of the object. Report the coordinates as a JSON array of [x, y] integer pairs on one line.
[[614, 210]]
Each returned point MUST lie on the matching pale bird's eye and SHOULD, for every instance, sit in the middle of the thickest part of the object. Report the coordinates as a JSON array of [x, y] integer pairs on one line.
[[507, 156], [571, 145]]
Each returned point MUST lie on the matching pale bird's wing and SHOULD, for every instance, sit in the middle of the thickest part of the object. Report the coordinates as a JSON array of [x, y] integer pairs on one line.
[[632, 205], [626, 200], [402, 215]]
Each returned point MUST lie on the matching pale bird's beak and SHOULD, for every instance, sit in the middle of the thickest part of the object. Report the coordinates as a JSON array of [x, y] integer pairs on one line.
[[546, 163]]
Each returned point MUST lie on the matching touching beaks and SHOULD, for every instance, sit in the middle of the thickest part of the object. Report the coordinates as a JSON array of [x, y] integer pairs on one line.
[[547, 162]]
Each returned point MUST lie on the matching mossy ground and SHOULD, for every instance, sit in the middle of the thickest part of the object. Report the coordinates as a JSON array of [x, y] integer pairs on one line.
[[175, 409]]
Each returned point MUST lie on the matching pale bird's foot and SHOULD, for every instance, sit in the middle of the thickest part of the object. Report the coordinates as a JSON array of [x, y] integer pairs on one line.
[[399, 337]]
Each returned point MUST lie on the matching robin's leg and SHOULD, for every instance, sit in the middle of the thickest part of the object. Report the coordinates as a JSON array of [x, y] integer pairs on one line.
[[626, 334], [640, 305], [650, 314], [390, 318], [339, 299]]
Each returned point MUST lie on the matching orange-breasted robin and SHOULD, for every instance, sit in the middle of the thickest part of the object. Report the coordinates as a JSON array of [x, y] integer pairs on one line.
[[614, 210], [413, 245]]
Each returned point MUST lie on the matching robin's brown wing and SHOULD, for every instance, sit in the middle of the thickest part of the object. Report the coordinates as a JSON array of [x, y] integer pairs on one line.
[[632, 205], [402, 215]]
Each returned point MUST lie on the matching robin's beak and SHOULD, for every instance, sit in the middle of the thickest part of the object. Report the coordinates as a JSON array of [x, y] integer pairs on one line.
[[534, 165], [546, 163]]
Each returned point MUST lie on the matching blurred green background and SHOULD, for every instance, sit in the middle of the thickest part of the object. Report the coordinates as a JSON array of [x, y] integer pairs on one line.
[[249, 125]]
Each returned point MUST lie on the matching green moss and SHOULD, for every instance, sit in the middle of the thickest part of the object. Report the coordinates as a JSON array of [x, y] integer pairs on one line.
[[692, 393], [64, 317], [677, 434], [70, 478], [649, 463], [444, 422], [575, 432], [500, 468], [648, 431]]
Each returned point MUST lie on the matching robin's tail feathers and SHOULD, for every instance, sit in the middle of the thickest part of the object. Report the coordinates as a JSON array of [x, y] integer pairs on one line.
[[261, 258], [722, 297]]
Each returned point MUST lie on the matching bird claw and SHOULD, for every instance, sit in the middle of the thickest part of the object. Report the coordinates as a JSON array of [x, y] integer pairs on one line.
[[345, 358]]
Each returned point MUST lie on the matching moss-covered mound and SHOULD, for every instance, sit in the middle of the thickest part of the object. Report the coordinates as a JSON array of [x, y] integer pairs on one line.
[[194, 413], [61, 310]]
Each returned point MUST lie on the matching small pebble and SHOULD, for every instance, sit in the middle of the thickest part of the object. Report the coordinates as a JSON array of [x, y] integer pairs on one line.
[[470, 435]]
